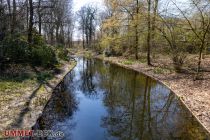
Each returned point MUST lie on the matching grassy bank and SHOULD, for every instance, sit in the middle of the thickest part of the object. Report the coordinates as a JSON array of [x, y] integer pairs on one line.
[[24, 95]]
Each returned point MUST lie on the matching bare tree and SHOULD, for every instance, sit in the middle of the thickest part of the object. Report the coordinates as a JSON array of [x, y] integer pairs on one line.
[[87, 23], [201, 28]]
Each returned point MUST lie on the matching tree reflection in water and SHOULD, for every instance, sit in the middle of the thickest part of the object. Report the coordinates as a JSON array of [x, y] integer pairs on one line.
[[62, 105], [116, 103]]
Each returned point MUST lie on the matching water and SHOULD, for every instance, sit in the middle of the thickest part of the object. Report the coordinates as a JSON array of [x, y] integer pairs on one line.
[[102, 101]]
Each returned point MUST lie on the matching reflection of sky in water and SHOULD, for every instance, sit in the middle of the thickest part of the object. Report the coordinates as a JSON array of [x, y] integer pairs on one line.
[[116, 103]]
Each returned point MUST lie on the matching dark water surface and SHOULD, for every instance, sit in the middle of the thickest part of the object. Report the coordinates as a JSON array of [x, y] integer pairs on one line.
[[102, 101]]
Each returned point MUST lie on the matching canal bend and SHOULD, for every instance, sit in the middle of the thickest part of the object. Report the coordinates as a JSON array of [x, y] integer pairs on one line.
[[102, 101]]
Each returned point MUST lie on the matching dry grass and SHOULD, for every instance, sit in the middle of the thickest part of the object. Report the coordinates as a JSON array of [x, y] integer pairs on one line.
[[23, 100]]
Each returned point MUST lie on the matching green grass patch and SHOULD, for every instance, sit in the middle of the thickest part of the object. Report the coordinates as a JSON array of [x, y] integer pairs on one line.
[[8, 86], [44, 76], [128, 62], [18, 77], [142, 60], [88, 54], [159, 70]]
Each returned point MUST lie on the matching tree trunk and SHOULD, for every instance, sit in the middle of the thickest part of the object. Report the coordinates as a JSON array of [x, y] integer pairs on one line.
[[90, 34], [200, 57], [10, 14], [13, 17], [57, 32], [62, 38], [27, 14], [154, 21], [40, 17], [83, 38], [149, 33], [136, 30], [87, 37], [30, 29], [51, 27], [52, 36], [136, 45]]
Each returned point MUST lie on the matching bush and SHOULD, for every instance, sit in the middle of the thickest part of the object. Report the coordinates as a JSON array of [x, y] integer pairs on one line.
[[44, 76], [43, 56], [38, 39], [178, 60], [16, 48], [62, 53]]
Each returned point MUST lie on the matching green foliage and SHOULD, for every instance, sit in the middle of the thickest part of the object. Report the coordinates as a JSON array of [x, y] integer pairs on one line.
[[61, 52], [88, 55], [112, 46], [161, 70], [38, 39], [15, 48], [44, 76], [142, 58], [43, 56], [158, 70]]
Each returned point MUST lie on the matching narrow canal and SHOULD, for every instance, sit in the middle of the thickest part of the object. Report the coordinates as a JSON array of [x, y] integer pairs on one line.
[[102, 101]]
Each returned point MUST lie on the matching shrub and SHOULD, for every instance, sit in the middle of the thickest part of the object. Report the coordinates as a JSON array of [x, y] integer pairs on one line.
[[43, 56], [38, 39], [178, 60], [16, 48], [62, 53], [43, 76]]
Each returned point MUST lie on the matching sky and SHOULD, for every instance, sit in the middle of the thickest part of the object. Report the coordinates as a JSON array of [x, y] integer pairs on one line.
[[77, 4]]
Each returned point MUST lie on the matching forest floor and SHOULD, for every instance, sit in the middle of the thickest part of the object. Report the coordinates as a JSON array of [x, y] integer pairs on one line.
[[195, 94], [23, 98]]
